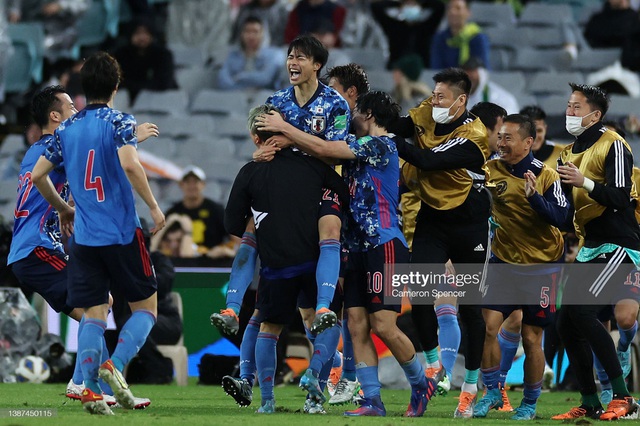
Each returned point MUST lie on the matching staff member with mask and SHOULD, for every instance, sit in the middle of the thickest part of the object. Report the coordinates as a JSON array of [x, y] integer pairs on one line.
[[445, 170]]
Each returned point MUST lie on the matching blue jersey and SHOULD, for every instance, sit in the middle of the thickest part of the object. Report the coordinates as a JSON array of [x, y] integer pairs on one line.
[[373, 180], [326, 114], [105, 204], [35, 221]]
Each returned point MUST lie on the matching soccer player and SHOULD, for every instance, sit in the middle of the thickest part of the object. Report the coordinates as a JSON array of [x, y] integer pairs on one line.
[[445, 170], [528, 207], [596, 171], [374, 240], [98, 147], [265, 191]]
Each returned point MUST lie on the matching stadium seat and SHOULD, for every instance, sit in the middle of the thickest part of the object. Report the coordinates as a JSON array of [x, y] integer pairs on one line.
[[492, 14], [369, 58], [500, 59], [30, 34], [8, 191], [122, 101], [510, 37], [546, 37], [531, 60], [595, 59], [556, 104], [222, 171], [380, 80], [175, 127], [621, 106], [193, 79], [174, 102], [12, 145], [178, 352], [553, 82], [162, 147], [94, 25], [233, 126], [513, 81], [538, 14], [215, 147], [221, 102], [186, 56]]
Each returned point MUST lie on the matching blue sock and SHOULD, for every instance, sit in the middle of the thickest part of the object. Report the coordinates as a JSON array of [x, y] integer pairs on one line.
[[490, 377], [77, 370], [242, 270], [105, 356], [508, 347], [449, 336], [310, 335], [266, 363], [369, 380], [348, 359], [471, 376], [531, 392], [132, 336], [248, 350], [327, 271], [324, 347], [323, 377], [337, 359], [90, 351], [626, 336], [602, 375], [415, 373]]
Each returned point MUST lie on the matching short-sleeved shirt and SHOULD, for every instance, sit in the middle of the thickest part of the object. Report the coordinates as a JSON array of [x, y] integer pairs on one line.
[[36, 223], [373, 180], [88, 143]]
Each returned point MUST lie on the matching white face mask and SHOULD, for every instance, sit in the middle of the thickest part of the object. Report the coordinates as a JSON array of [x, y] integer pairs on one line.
[[441, 115], [411, 13], [574, 124]]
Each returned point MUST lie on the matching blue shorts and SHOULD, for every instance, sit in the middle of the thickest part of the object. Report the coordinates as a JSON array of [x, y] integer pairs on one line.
[[367, 273], [277, 298], [45, 272], [533, 292], [93, 270], [330, 204]]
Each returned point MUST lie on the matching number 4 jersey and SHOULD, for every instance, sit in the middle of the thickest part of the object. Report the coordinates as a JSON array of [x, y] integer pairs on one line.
[[36, 223], [88, 143]]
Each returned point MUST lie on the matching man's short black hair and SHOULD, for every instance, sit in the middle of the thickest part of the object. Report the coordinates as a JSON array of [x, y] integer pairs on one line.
[[534, 112], [311, 47], [100, 75], [596, 97], [350, 75], [488, 113], [381, 106], [526, 127], [454, 77], [45, 102], [252, 19]]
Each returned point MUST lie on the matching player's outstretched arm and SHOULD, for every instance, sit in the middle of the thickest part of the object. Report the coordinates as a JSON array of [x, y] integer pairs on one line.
[[135, 173], [40, 177], [146, 130]]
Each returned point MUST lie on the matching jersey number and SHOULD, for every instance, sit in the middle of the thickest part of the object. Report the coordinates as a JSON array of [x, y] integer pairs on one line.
[[374, 282], [93, 183], [24, 190]]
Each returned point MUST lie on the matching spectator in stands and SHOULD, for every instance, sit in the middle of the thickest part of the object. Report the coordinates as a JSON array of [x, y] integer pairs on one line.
[[324, 31], [5, 47], [251, 65], [485, 90], [409, 26], [208, 231], [175, 239], [408, 90], [460, 41], [613, 25], [492, 116], [306, 12], [273, 14], [544, 150], [59, 18], [146, 64]]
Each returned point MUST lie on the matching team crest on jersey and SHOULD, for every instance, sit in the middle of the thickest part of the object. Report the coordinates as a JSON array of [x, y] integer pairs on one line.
[[501, 187], [318, 123]]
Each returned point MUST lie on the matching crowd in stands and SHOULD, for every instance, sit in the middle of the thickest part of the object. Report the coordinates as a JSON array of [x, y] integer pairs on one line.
[[234, 53]]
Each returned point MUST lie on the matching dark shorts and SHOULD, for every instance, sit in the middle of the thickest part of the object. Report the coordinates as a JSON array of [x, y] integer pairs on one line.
[[344, 258], [277, 298], [45, 272], [306, 302], [532, 291], [93, 270], [330, 204], [364, 281]]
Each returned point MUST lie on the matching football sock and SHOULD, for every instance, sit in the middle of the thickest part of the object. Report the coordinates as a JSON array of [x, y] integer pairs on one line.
[[242, 270], [90, 351], [248, 350], [132, 336], [626, 336], [508, 342], [415, 373], [266, 363], [490, 377], [77, 370], [337, 360], [432, 358], [531, 392], [105, 356], [369, 381], [324, 347], [449, 336], [348, 359], [327, 272]]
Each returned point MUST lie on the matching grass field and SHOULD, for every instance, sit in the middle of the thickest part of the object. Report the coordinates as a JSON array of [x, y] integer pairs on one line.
[[208, 405]]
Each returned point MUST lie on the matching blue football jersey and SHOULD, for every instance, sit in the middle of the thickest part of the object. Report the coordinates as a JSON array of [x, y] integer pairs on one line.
[[35, 221], [325, 115], [88, 143], [373, 180]]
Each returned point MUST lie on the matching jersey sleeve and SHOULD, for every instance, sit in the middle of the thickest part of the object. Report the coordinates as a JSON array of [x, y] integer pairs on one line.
[[125, 130], [338, 120], [371, 150], [53, 150]]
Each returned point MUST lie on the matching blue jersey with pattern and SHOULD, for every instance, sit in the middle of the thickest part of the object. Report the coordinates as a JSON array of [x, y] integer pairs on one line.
[[326, 114], [105, 204], [373, 179], [35, 221]]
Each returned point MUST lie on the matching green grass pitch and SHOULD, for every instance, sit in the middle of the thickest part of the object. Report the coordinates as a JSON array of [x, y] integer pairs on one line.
[[208, 405]]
